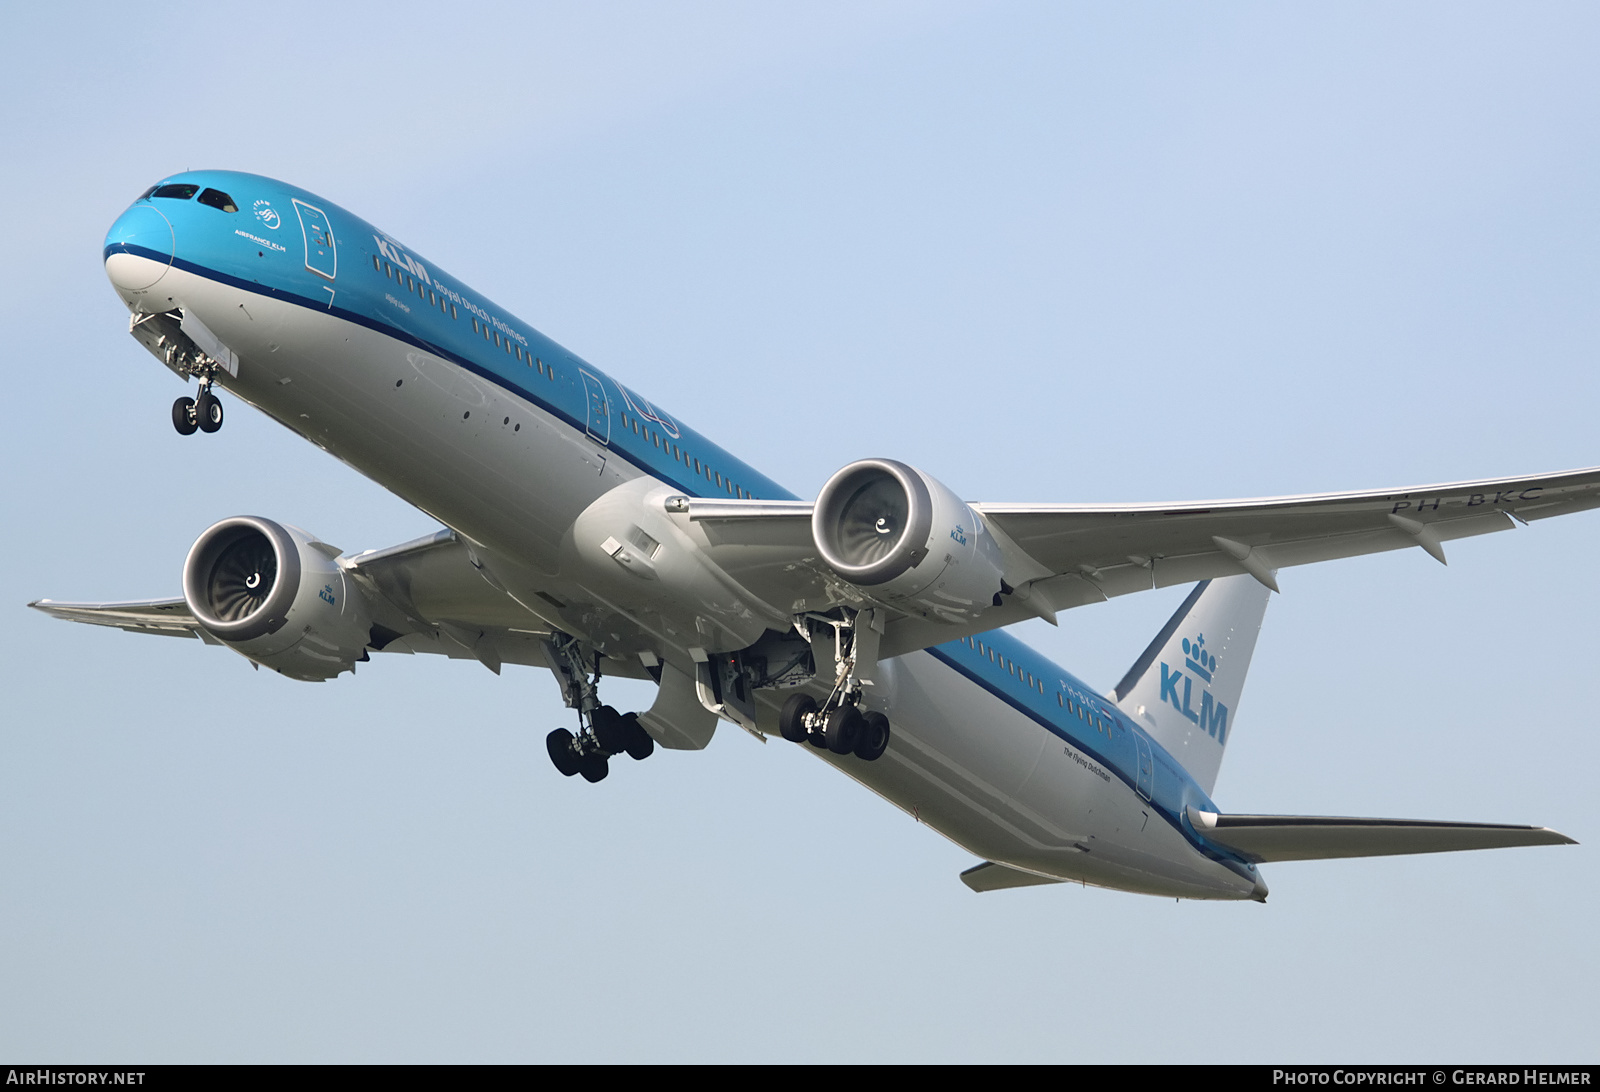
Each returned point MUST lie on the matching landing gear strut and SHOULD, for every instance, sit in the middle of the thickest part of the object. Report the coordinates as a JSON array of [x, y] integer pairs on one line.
[[172, 337], [603, 733], [839, 723], [203, 413]]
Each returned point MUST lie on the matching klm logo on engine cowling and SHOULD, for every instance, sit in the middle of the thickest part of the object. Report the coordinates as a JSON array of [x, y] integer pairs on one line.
[[1178, 686]]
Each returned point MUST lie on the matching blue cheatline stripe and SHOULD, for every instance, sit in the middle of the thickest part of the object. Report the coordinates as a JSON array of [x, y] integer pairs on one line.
[[404, 337], [1224, 857]]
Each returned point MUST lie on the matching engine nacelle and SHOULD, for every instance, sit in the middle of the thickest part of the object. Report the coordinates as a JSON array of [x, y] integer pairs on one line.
[[276, 595], [906, 540]]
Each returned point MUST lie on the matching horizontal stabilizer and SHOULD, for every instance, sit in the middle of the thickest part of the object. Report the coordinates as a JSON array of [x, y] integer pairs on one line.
[[989, 876], [1263, 838]]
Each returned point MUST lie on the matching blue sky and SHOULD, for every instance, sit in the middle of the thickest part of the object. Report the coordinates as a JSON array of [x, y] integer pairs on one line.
[[1045, 252]]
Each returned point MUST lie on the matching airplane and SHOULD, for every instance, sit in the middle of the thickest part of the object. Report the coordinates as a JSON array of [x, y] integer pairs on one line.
[[589, 532]]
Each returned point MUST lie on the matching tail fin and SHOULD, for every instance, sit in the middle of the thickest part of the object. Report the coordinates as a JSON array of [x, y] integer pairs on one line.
[[1185, 689]]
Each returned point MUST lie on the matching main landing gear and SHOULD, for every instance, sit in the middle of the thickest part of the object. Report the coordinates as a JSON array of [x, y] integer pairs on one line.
[[839, 724], [203, 413], [843, 729], [589, 752], [603, 733]]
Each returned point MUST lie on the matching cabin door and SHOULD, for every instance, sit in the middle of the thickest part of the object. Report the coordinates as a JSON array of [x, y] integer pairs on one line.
[[1147, 766], [321, 256], [598, 423]]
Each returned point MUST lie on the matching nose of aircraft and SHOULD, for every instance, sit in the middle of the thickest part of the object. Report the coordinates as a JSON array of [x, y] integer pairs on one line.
[[139, 248]]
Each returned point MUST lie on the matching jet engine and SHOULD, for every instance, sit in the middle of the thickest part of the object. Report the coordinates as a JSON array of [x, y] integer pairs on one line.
[[277, 596], [906, 540]]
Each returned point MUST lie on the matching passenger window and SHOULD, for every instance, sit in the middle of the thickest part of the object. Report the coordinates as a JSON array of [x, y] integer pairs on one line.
[[180, 191], [218, 200]]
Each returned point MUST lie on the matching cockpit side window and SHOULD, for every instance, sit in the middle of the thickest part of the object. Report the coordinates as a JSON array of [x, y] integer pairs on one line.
[[178, 191], [218, 200]]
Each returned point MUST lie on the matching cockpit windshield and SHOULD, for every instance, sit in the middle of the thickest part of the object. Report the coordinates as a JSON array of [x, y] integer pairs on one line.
[[218, 200], [178, 191]]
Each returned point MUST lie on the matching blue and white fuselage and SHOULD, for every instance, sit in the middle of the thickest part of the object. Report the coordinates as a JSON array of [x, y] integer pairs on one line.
[[369, 350]]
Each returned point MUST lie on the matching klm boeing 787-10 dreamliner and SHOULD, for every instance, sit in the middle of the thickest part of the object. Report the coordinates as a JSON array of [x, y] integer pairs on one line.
[[591, 533]]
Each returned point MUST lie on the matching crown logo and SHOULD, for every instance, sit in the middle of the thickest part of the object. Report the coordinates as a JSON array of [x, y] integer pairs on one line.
[[1196, 657]]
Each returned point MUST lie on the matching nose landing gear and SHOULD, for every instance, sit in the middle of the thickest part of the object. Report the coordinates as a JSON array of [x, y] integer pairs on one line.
[[203, 413]]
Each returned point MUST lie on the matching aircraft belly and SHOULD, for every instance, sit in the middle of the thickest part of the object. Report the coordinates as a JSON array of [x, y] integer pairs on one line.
[[1000, 785]]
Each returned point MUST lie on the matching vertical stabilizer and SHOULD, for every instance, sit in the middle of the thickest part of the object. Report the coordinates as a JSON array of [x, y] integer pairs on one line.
[[1185, 689]]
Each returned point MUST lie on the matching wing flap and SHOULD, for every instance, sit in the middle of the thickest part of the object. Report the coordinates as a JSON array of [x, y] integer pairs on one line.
[[1265, 838]]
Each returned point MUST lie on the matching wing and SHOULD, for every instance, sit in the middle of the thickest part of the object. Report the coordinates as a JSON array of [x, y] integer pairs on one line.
[[432, 596], [167, 617], [1262, 838], [1060, 556]]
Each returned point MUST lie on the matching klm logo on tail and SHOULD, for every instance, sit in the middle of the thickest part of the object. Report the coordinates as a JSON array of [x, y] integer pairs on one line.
[[1177, 689]]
